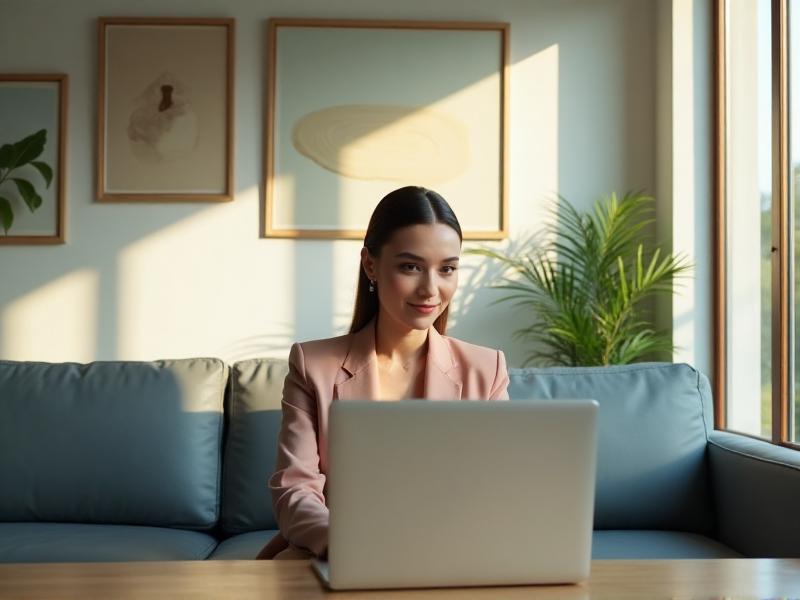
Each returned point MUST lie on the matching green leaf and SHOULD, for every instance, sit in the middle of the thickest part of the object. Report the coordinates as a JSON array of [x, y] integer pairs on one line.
[[28, 193], [623, 283], [639, 267], [578, 289], [6, 156], [6, 214], [25, 150], [45, 170]]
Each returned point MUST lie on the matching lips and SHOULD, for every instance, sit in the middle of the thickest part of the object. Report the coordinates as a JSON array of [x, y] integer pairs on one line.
[[424, 309]]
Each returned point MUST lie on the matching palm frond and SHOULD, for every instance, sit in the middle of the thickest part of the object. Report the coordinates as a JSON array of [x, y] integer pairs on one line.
[[583, 288]]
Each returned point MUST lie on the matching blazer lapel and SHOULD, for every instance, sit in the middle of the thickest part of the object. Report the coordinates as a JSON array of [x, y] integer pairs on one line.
[[442, 374], [358, 377]]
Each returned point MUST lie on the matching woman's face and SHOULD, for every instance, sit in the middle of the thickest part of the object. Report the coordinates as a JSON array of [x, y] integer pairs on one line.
[[416, 274]]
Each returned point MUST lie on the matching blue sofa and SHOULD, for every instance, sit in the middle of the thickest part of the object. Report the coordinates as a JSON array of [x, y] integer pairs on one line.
[[168, 460]]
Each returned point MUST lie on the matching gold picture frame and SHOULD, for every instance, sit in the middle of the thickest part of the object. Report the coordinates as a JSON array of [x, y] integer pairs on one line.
[[356, 108], [29, 103], [165, 125]]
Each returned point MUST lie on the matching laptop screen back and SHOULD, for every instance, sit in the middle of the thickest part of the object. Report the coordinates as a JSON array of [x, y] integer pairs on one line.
[[459, 493]]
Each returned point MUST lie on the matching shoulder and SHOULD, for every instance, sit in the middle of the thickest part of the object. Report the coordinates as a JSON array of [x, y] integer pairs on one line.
[[323, 350], [316, 362], [466, 354], [482, 370], [461, 347]]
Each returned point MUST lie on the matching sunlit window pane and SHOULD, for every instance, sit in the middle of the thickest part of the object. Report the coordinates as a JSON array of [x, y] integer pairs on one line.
[[748, 185]]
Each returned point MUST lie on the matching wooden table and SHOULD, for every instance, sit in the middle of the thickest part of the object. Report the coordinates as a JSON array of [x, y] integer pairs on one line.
[[611, 579]]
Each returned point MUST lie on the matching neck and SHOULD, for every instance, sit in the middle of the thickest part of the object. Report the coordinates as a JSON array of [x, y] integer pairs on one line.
[[398, 344]]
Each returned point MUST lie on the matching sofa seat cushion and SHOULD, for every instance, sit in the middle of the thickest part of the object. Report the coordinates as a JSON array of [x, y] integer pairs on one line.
[[74, 542], [244, 546], [643, 544]]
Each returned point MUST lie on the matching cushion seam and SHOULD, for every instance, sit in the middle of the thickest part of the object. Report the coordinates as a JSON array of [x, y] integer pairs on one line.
[[220, 425], [231, 430], [702, 411], [208, 550]]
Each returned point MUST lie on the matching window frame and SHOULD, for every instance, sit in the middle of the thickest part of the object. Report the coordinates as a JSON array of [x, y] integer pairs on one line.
[[781, 265]]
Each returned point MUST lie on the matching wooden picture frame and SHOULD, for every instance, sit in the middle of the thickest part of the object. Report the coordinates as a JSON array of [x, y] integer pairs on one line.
[[165, 113], [30, 103], [357, 108]]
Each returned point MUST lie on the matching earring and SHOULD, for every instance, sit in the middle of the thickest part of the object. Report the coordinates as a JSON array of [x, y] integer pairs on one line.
[[371, 285]]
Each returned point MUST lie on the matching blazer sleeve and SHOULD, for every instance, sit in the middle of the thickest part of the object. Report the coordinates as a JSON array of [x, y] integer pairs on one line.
[[297, 483], [500, 385]]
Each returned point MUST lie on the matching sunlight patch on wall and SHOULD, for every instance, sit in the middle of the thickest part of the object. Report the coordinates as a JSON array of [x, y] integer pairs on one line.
[[207, 286], [534, 167], [346, 260], [684, 198], [56, 322], [439, 146], [536, 79]]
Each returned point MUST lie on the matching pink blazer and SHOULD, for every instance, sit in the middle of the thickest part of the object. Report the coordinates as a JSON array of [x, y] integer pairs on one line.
[[346, 368]]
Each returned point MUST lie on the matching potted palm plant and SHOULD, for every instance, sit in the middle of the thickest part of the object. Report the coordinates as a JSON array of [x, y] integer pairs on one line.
[[586, 288]]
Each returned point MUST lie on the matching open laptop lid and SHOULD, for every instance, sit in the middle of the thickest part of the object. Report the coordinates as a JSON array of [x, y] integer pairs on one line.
[[459, 493]]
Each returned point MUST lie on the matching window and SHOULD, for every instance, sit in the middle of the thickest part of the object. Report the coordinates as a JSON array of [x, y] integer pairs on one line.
[[758, 138]]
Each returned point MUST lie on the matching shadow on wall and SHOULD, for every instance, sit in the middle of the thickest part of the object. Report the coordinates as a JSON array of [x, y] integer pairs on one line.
[[478, 308]]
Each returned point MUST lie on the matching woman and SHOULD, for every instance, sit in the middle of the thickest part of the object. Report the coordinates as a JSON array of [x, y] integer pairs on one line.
[[395, 350]]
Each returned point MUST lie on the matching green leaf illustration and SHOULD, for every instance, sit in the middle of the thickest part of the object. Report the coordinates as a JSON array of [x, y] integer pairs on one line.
[[6, 216], [6, 156], [27, 149], [28, 193], [45, 170], [16, 155]]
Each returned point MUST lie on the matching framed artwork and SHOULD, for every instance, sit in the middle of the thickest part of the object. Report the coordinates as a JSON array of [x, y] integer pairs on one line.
[[356, 109], [33, 132], [165, 109]]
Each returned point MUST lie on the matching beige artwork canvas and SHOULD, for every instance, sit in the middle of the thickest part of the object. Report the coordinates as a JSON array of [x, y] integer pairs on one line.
[[166, 100], [359, 108]]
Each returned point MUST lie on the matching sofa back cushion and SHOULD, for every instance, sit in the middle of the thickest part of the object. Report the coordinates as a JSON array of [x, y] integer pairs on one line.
[[112, 442], [253, 411], [653, 425]]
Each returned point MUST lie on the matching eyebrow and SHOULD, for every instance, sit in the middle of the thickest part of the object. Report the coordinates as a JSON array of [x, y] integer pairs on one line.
[[419, 258]]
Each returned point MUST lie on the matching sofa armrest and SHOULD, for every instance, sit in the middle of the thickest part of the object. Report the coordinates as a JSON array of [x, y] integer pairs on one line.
[[756, 487]]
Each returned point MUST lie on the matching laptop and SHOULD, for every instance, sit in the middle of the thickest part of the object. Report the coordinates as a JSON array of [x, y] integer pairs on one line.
[[459, 493]]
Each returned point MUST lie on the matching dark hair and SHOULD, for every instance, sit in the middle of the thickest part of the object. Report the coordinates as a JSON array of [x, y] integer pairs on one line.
[[410, 205]]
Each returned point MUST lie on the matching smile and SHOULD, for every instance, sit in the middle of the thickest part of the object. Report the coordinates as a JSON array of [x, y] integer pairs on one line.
[[425, 309]]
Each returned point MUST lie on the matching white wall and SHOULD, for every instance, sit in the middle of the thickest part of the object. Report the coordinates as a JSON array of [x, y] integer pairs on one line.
[[159, 280], [684, 177]]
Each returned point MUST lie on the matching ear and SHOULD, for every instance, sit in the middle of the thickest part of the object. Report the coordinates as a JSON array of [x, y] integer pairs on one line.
[[368, 263]]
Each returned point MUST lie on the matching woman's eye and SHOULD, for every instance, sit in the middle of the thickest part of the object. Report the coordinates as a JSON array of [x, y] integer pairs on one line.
[[448, 270], [409, 267]]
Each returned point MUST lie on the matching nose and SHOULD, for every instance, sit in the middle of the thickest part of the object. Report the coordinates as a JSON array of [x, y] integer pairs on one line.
[[427, 285]]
